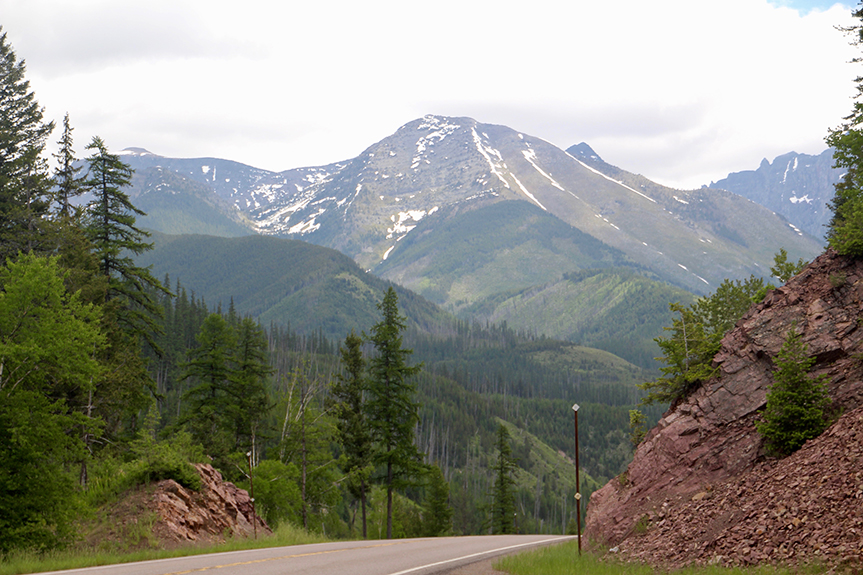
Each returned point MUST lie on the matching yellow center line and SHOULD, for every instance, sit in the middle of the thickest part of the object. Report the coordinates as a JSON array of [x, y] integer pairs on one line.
[[280, 558]]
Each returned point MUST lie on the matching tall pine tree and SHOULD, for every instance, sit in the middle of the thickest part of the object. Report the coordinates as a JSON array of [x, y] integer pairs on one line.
[[24, 180], [353, 427], [67, 183], [207, 404], [111, 229], [391, 407], [503, 495]]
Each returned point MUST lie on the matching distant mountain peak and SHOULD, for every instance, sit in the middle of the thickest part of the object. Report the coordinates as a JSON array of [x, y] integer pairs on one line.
[[136, 152], [582, 150], [795, 186]]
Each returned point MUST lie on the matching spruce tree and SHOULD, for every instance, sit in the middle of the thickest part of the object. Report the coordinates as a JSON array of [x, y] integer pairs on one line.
[[111, 229], [437, 513], [67, 183], [845, 229], [24, 180], [209, 368], [503, 495], [247, 389], [391, 406], [796, 403], [353, 427]]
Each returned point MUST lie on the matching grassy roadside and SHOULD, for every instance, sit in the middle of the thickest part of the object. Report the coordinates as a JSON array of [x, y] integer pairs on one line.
[[563, 559], [80, 558]]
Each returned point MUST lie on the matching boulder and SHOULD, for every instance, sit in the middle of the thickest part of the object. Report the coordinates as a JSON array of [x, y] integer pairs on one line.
[[219, 510]]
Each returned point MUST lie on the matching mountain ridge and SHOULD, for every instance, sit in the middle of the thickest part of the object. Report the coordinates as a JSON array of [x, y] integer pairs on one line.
[[796, 186], [365, 206]]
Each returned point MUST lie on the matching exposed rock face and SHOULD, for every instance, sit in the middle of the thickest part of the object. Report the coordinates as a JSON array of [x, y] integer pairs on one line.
[[805, 507], [709, 439], [220, 509]]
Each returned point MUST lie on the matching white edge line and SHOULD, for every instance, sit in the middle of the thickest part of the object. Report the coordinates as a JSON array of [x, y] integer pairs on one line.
[[412, 569]]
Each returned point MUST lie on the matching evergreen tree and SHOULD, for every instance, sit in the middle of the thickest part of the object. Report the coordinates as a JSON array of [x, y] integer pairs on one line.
[[503, 496], [111, 229], [67, 183], [353, 428], [437, 513], [206, 403], [249, 402], [24, 181], [719, 312], [845, 230], [391, 406], [796, 403]]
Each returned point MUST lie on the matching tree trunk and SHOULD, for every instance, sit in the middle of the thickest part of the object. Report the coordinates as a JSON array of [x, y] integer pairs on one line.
[[389, 500], [363, 504]]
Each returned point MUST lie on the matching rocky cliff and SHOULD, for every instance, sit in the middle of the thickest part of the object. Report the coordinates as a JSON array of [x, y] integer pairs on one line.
[[220, 509], [705, 449]]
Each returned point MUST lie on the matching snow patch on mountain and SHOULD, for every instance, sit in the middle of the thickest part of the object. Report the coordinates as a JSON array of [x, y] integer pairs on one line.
[[796, 200], [487, 152], [439, 129], [597, 172], [399, 225], [527, 193], [530, 156], [307, 226]]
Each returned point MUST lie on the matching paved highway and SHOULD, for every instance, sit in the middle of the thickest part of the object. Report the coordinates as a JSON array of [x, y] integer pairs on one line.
[[393, 557]]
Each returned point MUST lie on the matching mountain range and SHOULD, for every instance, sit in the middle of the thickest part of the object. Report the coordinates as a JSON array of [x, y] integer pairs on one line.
[[442, 176], [480, 219]]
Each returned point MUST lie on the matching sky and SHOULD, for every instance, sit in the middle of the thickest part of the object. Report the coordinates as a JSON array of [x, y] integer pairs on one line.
[[681, 91]]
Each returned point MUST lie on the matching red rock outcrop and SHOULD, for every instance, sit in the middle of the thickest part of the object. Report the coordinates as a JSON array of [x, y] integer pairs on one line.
[[709, 438], [807, 507], [219, 510]]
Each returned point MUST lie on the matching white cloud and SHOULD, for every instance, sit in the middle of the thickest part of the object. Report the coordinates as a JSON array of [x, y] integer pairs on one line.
[[683, 91]]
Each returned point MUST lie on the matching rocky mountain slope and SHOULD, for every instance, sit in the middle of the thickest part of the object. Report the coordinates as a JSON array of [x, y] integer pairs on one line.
[[706, 446], [796, 186], [438, 168]]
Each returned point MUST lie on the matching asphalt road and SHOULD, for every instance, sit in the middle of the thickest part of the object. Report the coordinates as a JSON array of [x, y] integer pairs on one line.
[[393, 557]]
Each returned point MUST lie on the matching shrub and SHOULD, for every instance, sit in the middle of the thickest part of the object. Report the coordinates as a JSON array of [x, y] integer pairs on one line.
[[796, 403]]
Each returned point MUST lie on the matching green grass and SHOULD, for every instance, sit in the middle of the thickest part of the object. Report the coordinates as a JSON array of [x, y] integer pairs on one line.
[[80, 558], [563, 559]]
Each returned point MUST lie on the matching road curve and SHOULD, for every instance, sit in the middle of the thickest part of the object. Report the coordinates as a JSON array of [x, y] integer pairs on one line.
[[382, 557]]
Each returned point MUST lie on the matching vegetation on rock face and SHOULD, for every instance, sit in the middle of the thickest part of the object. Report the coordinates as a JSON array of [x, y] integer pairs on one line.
[[796, 403], [783, 269], [695, 338]]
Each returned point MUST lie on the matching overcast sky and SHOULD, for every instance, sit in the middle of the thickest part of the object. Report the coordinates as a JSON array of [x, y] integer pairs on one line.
[[682, 91]]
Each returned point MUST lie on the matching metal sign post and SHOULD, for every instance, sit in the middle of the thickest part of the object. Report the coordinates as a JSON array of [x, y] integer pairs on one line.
[[577, 482]]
